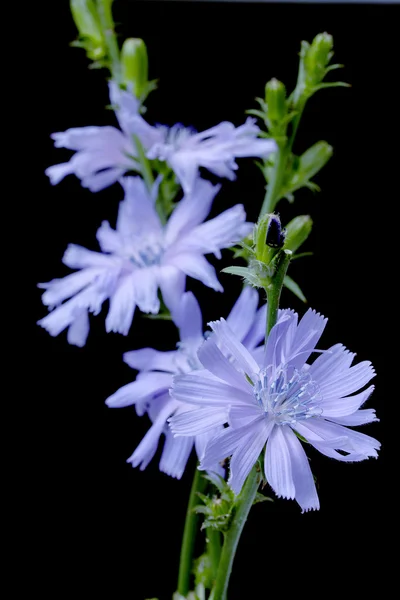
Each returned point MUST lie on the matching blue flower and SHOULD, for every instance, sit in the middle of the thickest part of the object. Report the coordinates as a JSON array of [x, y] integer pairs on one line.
[[139, 257], [274, 399], [104, 154], [150, 391]]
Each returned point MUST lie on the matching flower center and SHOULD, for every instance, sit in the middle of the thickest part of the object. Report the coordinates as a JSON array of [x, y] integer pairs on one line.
[[143, 252], [287, 395]]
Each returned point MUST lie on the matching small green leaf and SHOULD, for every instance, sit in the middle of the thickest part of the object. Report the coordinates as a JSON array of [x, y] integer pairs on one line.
[[294, 288], [261, 498]]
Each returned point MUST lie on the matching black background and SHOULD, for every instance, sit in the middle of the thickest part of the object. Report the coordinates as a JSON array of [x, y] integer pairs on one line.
[[98, 524]]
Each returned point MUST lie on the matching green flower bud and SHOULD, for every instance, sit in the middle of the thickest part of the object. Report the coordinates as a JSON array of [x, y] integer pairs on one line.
[[313, 159], [275, 97], [88, 24], [317, 57], [135, 65], [297, 231]]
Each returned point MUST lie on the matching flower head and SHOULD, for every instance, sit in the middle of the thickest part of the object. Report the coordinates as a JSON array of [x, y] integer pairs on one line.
[[274, 399], [215, 149], [150, 392], [104, 154], [138, 257]]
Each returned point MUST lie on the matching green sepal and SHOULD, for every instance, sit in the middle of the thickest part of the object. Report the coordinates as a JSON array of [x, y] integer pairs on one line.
[[294, 287], [261, 498]]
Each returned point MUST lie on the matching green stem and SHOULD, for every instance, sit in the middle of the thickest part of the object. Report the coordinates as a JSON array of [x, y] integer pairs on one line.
[[214, 549], [243, 506], [148, 177], [107, 23], [189, 534], [274, 186], [274, 289]]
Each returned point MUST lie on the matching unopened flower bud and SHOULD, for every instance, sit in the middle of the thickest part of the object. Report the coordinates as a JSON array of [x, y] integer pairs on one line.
[[275, 97], [275, 235], [88, 24], [317, 58], [313, 159], [297, 231], [135, 65]]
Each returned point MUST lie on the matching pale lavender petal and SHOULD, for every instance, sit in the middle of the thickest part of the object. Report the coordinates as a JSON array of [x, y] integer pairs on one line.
[[306, 493], [346, 381], [319, 429], [63, 316], [341, 407], [148, 446], [188, 318], [56, 173], [307, 335], [148, 359], [78, 257], [146, 288], [78, 331], [331, 363], [175, 455], [197, 420], [109, 239], [229, 342], [88, 138], [278, 465], [122, 306], [137, 215], [360, 417], [276, 342], [221, 232], [256, 334], [196, 266], [172, 285], [103, 179], [194, 389], [191, 210], [248, 451], [146, 386], [186, 169], [242, 315], [327, 447], [59, 290], [214, 361], [243, 414], [223, 445], [201, 442]]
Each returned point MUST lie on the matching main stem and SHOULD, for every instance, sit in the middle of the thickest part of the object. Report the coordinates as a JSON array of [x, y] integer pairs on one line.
[[243, 506], [189, 534], [274, 186]]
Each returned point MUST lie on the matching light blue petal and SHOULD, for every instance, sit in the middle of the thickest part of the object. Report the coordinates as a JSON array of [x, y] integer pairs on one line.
[[195, 389], [278, 465], [191, 210], [175, 455], [197, 420], [146, 386], [306, 493], [122, 306], [149, 359], [341, 407], [214, 361], [188, 318], [196, 266], [228, 341], [242, 316]]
